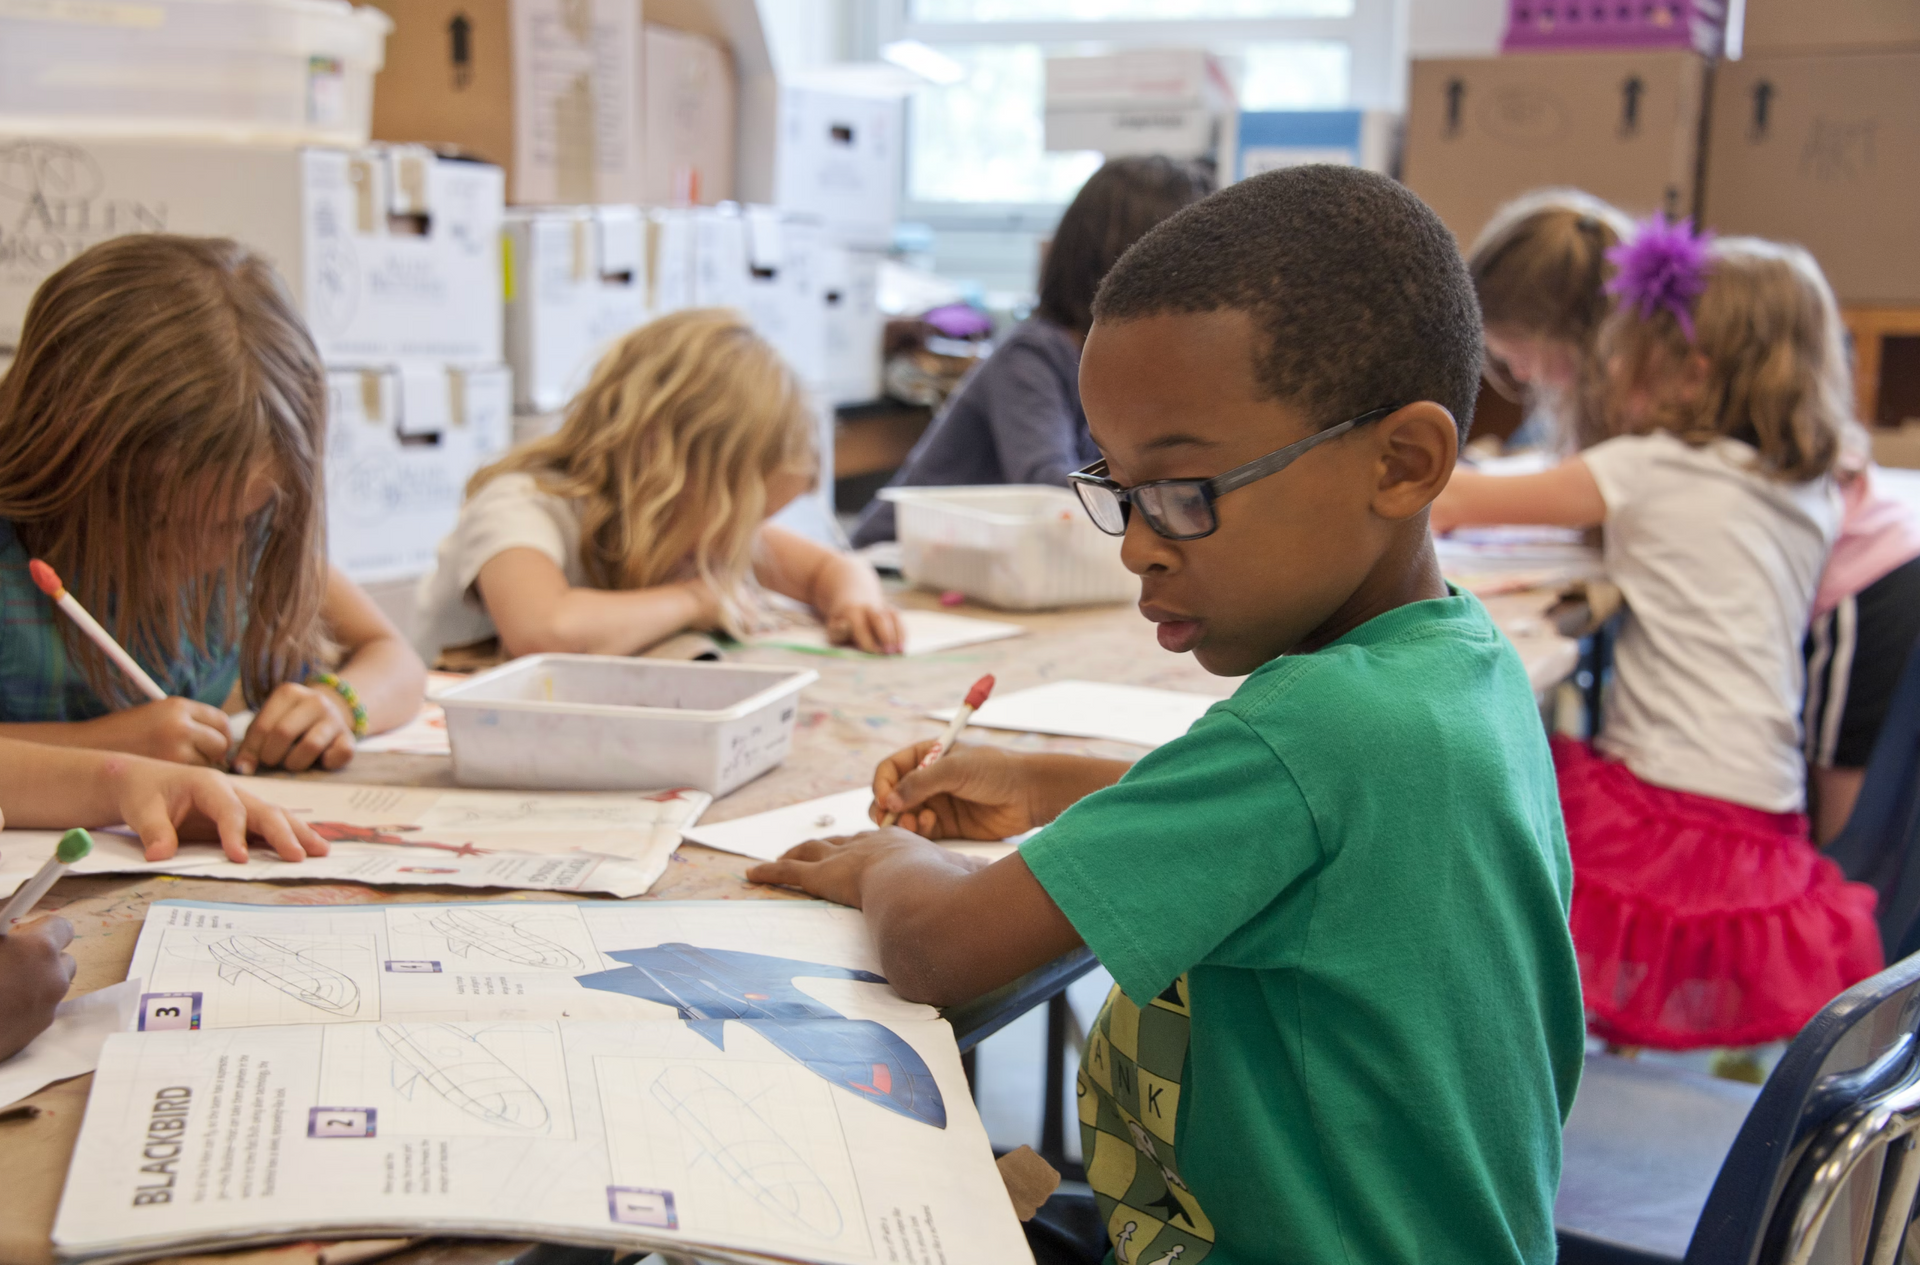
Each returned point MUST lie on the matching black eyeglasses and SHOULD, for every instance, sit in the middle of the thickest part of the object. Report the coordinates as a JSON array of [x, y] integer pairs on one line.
[[1182, 509]]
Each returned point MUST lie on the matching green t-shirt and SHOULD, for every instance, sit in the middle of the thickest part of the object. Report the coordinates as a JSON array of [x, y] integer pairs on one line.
[[1350, 882]]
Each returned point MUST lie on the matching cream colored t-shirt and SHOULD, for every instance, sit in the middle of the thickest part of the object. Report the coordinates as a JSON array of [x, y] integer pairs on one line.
[[510, 512], [1718, 565]]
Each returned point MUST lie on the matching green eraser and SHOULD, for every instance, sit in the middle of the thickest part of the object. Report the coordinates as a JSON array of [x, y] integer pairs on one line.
[[74, 845]]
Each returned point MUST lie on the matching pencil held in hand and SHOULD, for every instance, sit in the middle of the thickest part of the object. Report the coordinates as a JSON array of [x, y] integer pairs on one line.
[[975, 696], [49, 583]]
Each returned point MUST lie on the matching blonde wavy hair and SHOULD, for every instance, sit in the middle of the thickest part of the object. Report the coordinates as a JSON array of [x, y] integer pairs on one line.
[[668, 451], [1776, 355]]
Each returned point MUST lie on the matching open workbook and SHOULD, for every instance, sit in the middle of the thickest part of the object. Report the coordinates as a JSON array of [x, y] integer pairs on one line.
[[727, 1078]]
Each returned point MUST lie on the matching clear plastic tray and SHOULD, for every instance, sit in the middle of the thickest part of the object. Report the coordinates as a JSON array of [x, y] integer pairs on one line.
[[1018, 546], [606, 723]]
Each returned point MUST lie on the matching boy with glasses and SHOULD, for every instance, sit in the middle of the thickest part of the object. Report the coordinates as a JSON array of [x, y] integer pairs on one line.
[[1347, 1025]]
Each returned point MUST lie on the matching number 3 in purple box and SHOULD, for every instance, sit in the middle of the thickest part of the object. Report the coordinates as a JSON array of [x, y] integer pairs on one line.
[[160, 1012]]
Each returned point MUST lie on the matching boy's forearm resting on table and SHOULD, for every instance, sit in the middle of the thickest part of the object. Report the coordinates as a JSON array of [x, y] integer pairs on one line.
[[947, 930]]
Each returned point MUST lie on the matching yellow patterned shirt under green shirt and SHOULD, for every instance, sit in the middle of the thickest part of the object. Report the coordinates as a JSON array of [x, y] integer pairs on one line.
[[1347, 1026]]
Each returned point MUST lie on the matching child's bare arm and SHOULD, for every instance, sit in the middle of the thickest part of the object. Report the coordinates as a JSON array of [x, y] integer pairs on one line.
[[55, 788], [301, 725], [947, 930], [536, 611], [1565, 496], [842, 588], [180, 730]]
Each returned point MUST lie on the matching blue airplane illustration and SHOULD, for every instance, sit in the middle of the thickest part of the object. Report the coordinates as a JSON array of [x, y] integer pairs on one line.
[[710, 986]]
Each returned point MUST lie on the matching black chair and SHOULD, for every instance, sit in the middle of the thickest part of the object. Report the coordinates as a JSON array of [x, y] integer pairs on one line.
[[1822, 1163], [1878, 845]]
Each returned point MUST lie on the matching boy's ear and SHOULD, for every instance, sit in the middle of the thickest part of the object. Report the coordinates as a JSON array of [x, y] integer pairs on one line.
[[1417, 446]]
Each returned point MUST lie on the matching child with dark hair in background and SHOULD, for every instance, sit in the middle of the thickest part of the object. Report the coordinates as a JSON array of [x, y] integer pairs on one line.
[[1017, 418], [1702, 912], [1347, 1023]]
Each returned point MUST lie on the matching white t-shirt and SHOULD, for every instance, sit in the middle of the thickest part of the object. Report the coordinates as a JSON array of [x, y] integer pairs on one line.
[[510, 512], [1718, 564]]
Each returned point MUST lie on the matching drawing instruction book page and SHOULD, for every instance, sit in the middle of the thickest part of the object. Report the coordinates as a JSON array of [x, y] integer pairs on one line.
[[729, 1077]]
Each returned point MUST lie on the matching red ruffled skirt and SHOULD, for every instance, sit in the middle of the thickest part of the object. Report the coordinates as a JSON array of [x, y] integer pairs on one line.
[[1700, 922]]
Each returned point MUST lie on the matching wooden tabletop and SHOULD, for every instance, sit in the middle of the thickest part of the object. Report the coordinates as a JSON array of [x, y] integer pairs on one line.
[[860, 710]]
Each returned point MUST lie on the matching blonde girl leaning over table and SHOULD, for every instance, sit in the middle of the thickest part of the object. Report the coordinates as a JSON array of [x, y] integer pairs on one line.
[[645, 514], [1702, 914], [1540, 269], [161, 440]]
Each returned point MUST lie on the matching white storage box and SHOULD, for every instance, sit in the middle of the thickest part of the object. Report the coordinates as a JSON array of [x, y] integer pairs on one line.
[[839, 162], [606, 723], [296, 71], [576, 281], [392, 254], [401, 445], [1019, 546]]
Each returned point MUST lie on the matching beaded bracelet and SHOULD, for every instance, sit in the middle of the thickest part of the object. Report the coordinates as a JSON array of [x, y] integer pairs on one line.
[[328, 680]]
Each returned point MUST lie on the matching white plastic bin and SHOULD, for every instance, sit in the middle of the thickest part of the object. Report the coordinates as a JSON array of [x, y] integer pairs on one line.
[[583, 722], [294, 71], [1018, 546]]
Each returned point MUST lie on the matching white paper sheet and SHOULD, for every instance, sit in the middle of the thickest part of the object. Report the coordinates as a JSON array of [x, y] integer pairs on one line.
[[731, 1077], [616, 843], [1093, 709], [72, 1045], [928, 632], [765, 836]]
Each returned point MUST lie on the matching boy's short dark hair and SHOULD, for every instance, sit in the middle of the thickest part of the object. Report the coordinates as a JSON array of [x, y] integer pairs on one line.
[[1356, 286]]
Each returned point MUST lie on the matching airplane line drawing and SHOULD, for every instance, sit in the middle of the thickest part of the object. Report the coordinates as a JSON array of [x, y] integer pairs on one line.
[[710, 986], [287, 969], [501, 937], [749, 1150], [455, 1065]]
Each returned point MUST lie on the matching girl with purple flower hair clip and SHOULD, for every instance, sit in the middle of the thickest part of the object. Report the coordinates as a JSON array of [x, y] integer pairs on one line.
[[1702, 913]]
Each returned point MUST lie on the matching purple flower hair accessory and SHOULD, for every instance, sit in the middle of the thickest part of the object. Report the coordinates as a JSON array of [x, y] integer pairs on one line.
[[1663, 265]]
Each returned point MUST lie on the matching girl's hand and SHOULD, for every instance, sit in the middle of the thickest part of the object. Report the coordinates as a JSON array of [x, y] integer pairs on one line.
[[35, 972], [298, 726], [179, 730], [969, 793], [873, 627], [164, 804]]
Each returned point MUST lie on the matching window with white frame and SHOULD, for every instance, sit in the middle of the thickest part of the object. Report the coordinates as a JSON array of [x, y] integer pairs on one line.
[[975, 151]]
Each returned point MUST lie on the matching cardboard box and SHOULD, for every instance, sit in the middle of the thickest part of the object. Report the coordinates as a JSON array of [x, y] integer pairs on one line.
[[576, 281], [854, 328], [838, 162], [1623, 126], [690, 109], [719, 273], [547, 89], [1271, 139], [401, 444], [1824, 150], [1805, 26], [1176, 102], [391, 253]]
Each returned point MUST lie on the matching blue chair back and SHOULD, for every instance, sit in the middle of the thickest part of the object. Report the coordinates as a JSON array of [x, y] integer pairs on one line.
[[1849, 1083], [1880, 845]]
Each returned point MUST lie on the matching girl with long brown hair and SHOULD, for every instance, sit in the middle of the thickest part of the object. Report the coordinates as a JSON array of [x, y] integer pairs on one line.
[[161, 446], [645, 514]]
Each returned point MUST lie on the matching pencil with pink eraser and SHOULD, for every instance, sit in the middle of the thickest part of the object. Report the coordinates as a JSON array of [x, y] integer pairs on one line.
[[49, 583], [975, 696]]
